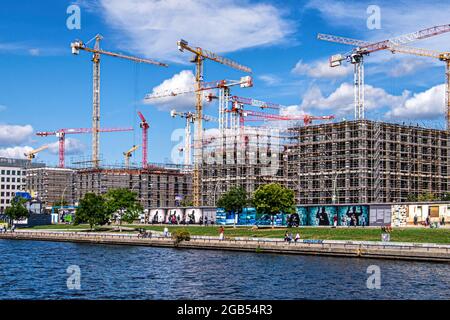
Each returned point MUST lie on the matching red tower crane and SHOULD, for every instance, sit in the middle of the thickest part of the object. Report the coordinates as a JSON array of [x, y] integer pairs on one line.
[[61, 134], [144, 126]]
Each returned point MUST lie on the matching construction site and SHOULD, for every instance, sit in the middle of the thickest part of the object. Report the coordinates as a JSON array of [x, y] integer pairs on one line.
[[256, 142]]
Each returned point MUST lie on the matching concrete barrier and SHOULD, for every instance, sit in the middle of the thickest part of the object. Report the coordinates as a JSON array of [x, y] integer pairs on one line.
[[363, 249]]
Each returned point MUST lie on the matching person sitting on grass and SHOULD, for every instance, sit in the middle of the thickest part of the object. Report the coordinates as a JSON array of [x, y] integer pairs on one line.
[[297, 237]]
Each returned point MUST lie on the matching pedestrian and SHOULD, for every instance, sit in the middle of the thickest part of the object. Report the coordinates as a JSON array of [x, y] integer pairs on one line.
[[363, 220], [443, 221], [335, 220], [297, 237], [416, 219], [427, 221], [221, 233], [206, 221], [166, 232], [290, 237], [286, 236]]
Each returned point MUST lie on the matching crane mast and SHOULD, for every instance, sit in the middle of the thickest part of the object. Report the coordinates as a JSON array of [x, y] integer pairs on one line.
[[144, 126], [61, 135], [190, 118], [364, 48], [97, 52], [199, 56]]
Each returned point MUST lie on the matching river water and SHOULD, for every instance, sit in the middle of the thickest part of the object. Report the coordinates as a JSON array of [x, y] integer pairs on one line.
[[38, 270]]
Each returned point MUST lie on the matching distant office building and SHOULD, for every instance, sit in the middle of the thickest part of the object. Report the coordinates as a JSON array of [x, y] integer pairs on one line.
[[12, 179]]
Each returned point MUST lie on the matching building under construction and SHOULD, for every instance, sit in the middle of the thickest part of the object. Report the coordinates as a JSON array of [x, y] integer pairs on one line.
[[248, 157], [51, 185], [357, 161], [155, 186]]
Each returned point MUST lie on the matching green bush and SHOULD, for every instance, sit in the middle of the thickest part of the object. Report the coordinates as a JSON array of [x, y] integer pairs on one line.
[[181, 235]]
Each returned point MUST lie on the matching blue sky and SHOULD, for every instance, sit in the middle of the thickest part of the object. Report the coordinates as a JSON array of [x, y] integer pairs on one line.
[[44, 87]]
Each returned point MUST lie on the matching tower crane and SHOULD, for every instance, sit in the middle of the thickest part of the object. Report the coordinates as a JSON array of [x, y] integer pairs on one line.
[[199, 56], [442, 56], [363, 48], [144, 126], [32, 154], [256, 103], [250, 115], [128, 154], [61, 134], [97, 52], [190, 119], [244, 82]]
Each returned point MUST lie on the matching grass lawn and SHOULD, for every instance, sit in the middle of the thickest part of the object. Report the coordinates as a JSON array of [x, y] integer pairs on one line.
[[427, 235]]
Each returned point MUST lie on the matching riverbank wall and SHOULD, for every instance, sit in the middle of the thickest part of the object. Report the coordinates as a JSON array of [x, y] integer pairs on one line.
[[357, 249]]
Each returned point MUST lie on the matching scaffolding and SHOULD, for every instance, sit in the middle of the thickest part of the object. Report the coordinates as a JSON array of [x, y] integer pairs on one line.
[[156, 186], [244, 157], [51, 185], [366, 161]]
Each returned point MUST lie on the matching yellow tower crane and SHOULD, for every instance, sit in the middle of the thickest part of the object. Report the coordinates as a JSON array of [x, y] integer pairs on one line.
[[128, 154], [199, 56], [97, 52], [32, 154]]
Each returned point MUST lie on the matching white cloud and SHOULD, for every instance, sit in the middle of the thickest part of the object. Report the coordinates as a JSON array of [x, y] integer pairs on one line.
[[270, 79], [427, 105], [153, 27], [183, 81], [424, 105], [395, 20], [407, 66], [15, 152], [341, 101], [14, 134], [72, 146], [34, 52], [321, 69]]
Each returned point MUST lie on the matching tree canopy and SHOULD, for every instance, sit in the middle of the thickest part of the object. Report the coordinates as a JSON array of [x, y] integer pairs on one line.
[[17, 210], [124, 204], [234, 200], [273, 198], [92, 210]]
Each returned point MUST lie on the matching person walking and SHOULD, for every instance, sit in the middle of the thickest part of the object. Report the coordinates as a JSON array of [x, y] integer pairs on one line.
[[416, 219], [335, 221], [221, 233], [443, 221]]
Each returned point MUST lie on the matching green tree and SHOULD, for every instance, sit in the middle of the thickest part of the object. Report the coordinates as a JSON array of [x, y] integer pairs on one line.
[[445, 197], [92, 210], [61, 203], [17, 210], [234, 200], [426, 197], [124, 204], [273, 198]]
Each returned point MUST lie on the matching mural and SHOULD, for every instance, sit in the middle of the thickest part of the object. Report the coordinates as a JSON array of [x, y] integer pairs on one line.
[[321, 216], [353, 215], [356, 215], [247, 217]]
